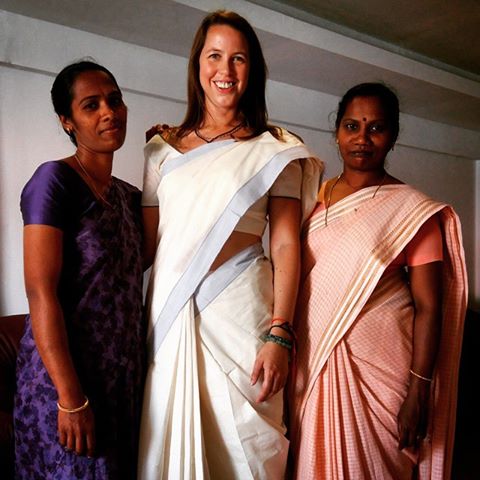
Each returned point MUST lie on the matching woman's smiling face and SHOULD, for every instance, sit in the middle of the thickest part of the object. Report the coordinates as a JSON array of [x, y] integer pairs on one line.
[[224, 68]]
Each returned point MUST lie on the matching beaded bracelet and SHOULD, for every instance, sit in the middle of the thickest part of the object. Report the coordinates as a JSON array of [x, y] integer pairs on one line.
[[420, 376], [283, 342], [74, 410]]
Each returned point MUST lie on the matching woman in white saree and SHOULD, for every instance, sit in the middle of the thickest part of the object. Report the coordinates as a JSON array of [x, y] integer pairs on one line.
[[213, 404]]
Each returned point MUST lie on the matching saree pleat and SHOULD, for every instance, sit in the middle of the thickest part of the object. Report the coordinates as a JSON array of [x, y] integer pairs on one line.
[[355, 343]]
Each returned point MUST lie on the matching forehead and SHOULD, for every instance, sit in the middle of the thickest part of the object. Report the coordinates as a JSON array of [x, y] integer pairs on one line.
[[219, 36], [93, 82], [365, 107]]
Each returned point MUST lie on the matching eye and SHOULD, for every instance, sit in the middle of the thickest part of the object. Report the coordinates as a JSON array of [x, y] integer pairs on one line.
[[116, 101], [239, 59], [377, 128], [350, 126], [214, 56], [90, 105]]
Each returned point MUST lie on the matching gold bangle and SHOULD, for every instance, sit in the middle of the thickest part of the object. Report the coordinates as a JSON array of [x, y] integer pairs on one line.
[[420, 376], [74, 410]]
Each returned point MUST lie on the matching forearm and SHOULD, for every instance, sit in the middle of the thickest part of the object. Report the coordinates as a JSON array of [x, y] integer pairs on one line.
[[286, 274], [426, 337], [51, 339]]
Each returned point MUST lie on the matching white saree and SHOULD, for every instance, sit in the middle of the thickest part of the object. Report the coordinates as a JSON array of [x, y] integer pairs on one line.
[[200, 419]]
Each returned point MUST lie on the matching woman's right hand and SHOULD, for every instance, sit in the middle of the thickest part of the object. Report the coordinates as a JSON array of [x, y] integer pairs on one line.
[[160, 129], [76, 432]]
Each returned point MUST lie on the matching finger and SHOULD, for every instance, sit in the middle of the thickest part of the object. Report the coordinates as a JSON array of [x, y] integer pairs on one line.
[[90, 444], [62, 437], [278, 384], [79, 443], [257, 368], [70, 441], [266, 387]]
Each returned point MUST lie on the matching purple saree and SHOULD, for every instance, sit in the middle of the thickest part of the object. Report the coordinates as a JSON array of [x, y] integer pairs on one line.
[[100, 291]]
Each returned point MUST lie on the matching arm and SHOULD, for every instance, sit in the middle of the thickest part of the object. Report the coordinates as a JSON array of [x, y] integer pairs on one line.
[[43, 247], [426, 286], [272, 359], [150, 226]]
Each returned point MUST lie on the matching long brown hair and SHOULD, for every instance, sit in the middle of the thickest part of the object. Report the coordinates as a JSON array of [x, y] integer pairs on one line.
[[252, 104]]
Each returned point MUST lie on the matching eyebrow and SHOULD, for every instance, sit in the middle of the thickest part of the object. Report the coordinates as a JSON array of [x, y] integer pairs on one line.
[[94, 97]]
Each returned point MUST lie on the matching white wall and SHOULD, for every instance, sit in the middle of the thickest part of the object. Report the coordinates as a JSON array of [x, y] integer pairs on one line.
[[428, 155]]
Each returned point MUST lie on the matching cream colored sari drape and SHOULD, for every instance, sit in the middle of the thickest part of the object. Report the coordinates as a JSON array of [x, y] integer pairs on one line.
[[355, 326], [200, 419]]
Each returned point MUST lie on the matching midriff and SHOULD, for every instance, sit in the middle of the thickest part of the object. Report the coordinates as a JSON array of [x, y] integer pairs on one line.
[[237, 242]]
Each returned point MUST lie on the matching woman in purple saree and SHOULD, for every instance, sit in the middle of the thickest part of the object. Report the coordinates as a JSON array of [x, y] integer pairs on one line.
[[80, 364]]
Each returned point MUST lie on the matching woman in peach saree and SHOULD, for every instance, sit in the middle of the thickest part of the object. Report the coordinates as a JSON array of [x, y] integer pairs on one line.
[[380, 315]]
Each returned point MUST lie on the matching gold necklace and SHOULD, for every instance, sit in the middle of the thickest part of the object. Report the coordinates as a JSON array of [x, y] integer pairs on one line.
[[91, 183], [333, 186], [224, 134]]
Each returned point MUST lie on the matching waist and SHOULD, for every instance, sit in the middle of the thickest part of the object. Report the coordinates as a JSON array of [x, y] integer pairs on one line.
[[237, 242]]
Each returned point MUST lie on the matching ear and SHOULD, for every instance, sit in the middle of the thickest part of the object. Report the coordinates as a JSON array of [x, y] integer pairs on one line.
[[66, 123]]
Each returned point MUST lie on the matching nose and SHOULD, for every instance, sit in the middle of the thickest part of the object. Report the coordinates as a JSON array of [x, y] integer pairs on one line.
[[226, 65], [106, 110], [363, 136]]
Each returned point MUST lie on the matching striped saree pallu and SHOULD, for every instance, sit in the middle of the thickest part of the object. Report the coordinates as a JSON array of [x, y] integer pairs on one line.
[[355, 324]]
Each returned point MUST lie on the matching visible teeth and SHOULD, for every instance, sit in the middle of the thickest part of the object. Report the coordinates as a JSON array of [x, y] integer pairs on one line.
[[224, 84]]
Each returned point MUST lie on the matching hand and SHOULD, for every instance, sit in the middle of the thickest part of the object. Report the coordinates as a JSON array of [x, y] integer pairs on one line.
[[160, 129], [272, 359], [413, 415], [76, 431]]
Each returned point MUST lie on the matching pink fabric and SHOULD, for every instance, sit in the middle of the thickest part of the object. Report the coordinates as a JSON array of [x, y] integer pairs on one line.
[[354, 327], [425, 247]]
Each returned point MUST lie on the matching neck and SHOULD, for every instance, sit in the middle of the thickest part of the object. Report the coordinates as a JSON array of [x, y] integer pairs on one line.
[[358, 180], [98, 165], [219, 120]]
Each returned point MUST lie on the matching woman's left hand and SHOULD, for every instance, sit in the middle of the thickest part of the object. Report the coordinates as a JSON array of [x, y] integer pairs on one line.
[[413, 415], [272, 362]]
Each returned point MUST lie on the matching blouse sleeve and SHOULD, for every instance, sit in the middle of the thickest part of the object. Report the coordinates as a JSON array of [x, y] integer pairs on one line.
[[289, 182], [44, 199], [427, 245], [151, 173]]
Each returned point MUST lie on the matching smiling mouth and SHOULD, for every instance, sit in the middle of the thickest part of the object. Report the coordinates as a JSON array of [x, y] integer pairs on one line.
[[224, 85]]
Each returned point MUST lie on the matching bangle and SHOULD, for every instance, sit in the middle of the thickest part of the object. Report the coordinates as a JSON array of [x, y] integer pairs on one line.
[[286, 327], [74, 410], [283, 342], [420, 376]]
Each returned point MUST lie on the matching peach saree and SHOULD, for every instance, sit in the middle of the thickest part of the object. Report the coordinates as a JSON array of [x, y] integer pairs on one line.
[[354, 325]]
